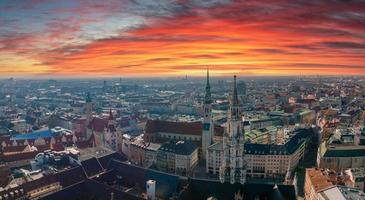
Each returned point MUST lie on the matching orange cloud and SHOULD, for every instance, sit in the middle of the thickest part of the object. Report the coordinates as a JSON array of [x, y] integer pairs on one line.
[[247, 38]]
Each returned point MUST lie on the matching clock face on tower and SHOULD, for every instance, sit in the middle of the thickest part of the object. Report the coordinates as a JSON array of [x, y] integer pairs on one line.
[[206, 127]]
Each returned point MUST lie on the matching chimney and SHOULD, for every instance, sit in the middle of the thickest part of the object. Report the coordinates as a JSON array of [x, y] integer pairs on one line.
[[151, 189]]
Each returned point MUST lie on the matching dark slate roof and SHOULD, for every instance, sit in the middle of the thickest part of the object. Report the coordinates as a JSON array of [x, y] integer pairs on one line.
[[91, 166], [166, 184], [187, 128], [71, 176], [89, 189], [105, 160], [345, 153], [180, 147], [203, 189], [269, 191], [288, 148]]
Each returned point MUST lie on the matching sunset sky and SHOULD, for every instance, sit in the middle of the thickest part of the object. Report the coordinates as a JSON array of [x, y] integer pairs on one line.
[[172, 38]]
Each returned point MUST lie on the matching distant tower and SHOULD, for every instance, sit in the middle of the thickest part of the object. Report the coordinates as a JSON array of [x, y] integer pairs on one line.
[[233, 168], [88, 108], [111, 133], [208, 125], [104, 86]]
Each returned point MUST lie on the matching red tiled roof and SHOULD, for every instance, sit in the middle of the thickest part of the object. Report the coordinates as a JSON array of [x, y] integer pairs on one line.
[[58, 147], [19, 156], [19, 148], [4, 138], [188, 128], [5, 174], [43, 147], [98, 124]]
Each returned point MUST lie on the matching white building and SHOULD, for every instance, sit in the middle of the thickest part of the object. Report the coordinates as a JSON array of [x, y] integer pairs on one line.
[[265, 160], [233, 167]]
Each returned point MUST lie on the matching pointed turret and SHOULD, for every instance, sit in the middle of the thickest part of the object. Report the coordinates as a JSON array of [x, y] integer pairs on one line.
[[234, 104], [88, 98], [235, 95], [111, 117], [208, 95], [88, 107], [111, 132]]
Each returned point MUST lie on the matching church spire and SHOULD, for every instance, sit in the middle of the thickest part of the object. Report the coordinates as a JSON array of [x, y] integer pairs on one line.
[[235, 95], [234, 104], [208, 95], [233, 166]]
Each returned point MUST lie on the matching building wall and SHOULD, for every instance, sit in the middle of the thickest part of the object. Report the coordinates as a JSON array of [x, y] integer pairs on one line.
[[214, 160], [44, 191], [259, 166], [179, 136], [340, 163], [136, 154], [309, 191], [149, 158], [162, 137], [126, 142], [175, 163]]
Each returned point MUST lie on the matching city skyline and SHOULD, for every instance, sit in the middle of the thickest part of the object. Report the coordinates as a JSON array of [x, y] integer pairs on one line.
[[177, 38]]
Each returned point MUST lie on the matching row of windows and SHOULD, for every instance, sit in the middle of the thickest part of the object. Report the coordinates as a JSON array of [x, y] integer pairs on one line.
[[180, 138]]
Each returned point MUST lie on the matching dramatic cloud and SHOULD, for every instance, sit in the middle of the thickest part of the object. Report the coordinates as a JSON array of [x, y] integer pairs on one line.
[[172, 38]]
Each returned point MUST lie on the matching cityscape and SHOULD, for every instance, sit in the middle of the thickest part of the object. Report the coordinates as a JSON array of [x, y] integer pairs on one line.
[[182, 100]]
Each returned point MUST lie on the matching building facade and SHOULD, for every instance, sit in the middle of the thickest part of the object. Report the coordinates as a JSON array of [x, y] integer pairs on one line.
[[265, 160], [177, 156]]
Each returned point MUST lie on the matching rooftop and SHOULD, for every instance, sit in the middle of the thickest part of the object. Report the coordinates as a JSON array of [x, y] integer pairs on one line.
[[345, 151], [319, 179], [186, 128], [45, 133], [342, 193], [180, 147]]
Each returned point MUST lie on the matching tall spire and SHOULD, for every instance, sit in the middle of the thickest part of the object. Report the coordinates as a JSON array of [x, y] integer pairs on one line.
[[234, 104], [208, 95], [235, 95]]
